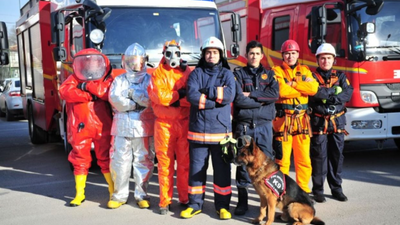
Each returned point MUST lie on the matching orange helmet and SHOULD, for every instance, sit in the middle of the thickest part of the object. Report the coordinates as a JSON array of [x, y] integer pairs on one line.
[[290, 45]]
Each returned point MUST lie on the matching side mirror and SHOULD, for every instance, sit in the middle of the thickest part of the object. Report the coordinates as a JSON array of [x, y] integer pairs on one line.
[[374, 7], [3, 36], [235, 27], [234, 50], [318, 26], [4, 59], [58, 25]]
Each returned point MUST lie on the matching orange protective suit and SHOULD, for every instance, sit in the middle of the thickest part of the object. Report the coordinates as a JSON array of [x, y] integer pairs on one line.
[[291, 126], [170, 130], [89, 118]]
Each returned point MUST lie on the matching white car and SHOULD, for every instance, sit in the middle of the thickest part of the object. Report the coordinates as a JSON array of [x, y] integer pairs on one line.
[[10, 99]]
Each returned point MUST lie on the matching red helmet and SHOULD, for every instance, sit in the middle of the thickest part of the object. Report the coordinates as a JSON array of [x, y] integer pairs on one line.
[[290, 45]]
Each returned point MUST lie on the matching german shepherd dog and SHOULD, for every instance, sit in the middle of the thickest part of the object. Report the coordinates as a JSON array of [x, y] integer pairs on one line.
[[295, 204]]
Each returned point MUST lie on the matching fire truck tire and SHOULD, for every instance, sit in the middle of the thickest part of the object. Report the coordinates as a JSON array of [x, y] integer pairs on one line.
[[36, 134], [397, 142]]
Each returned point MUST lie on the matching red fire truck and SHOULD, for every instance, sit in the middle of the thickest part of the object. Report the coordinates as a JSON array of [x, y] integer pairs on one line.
[[50, 32], [366, 35]]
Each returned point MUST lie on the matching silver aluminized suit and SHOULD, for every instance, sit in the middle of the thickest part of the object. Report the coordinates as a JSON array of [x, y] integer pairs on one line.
[[132, 131]]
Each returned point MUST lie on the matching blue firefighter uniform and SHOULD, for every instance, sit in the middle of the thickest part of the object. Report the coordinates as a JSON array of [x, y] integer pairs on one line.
[[253, 115], [328, 121], [210, 122]]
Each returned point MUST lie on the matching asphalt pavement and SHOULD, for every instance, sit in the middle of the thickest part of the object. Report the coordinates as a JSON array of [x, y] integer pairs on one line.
[[36, 186]]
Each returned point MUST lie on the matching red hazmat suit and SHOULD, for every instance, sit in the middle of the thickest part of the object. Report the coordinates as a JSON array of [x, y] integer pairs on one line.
[[89, 114]]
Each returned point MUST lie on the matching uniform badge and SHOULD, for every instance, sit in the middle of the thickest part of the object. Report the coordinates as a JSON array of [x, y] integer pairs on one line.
[[264, 76]]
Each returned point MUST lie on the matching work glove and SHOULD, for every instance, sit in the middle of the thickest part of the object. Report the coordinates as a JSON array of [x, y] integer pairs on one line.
[[338, 90], [229, 150], [324, 101], [182, 93], [204, 91], [139, 107], [175, 104], [82, 86]]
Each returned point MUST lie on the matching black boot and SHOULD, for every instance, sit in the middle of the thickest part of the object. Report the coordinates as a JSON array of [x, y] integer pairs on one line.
[[242, 205]]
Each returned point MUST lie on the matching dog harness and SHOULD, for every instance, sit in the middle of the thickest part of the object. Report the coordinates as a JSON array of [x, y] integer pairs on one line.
[[277, 183], [329, 117]]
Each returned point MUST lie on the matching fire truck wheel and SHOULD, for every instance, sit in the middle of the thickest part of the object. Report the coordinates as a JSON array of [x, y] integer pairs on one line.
[[397, 142], [36, 134]]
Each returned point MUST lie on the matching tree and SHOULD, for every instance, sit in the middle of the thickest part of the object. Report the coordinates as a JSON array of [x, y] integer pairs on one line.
[[12, 36]]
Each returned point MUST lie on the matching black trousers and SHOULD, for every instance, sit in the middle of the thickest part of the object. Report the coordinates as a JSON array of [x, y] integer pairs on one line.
[[327, 162]]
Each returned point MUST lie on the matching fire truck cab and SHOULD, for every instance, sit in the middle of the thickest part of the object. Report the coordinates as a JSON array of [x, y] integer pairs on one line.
[[51, 32], [366, 40]]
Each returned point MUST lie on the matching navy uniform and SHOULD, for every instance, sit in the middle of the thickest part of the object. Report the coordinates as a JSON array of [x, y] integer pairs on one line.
[[328, 122], [253, 116]]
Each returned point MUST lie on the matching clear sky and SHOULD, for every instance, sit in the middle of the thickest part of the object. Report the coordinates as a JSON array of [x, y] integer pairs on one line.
[[9, 11]]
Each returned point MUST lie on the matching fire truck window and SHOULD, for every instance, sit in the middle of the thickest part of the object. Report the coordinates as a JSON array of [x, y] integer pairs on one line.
[[21, 59], [28, 65], [37, 58], [77, 35], [280, 31]]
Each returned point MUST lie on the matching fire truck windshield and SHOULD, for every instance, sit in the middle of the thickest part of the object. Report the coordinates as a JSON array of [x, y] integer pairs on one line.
[[386, 39], [152, 27]]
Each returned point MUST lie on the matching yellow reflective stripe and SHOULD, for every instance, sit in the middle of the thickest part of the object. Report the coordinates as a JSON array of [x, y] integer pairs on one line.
[[220, 94], [197, 190], [202, 101], [222, 190], [207, 137]]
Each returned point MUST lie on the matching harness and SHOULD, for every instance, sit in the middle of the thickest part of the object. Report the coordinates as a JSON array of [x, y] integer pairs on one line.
[[291, 117], [294, 112], [331, 116], [277, 183]]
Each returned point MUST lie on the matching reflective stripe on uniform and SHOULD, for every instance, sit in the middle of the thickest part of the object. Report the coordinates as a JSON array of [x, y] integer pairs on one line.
[[222, 190]]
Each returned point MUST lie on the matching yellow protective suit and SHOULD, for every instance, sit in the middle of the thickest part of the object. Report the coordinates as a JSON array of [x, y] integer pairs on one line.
[[170, 130], [291, 126]]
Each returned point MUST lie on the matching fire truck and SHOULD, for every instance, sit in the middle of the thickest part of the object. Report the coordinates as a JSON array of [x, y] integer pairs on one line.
[[366, 35], [51, 32]]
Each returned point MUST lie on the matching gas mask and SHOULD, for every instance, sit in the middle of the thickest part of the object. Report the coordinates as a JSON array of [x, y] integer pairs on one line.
[[172, 55]]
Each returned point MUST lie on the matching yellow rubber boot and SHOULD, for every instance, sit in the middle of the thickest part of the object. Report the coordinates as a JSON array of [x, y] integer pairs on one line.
[[110, 183], [80, 184]]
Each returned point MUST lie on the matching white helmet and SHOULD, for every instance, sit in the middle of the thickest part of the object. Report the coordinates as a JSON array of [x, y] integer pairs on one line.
[[212, 42], [326, 48]]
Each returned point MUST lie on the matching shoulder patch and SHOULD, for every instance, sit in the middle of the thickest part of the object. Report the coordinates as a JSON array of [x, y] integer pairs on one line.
[[264, 76]]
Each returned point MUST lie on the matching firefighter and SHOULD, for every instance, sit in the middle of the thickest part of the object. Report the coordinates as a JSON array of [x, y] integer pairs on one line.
[[132, 130], [254, 109], [328, 122], [89, 116], [292, 123], [210, 91], [167, 93]]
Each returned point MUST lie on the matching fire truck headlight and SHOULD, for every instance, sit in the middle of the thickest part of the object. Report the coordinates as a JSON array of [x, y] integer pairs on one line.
[[366, 124], [369, 97], [96, 36]]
